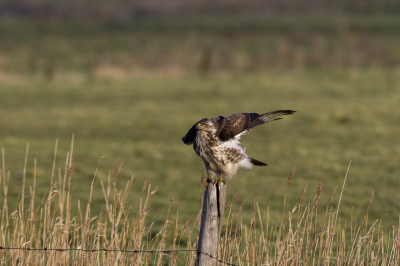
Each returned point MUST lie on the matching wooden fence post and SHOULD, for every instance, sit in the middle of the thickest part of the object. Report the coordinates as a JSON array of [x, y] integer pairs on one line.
[[211, 223]]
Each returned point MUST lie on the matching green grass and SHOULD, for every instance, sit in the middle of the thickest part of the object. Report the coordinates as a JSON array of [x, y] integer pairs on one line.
[[130, 92], [341, 116]]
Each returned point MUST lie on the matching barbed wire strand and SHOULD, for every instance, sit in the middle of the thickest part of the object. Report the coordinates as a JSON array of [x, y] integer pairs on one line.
[[118, 250]]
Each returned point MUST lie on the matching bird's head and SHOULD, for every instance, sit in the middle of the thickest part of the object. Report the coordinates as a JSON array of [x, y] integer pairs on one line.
[[205, 125]]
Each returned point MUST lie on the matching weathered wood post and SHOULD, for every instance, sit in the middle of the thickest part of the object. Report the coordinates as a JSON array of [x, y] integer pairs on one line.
[[211, 223]]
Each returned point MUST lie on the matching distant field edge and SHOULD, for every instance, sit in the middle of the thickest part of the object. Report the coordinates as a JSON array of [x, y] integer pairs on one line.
[[372, 24]]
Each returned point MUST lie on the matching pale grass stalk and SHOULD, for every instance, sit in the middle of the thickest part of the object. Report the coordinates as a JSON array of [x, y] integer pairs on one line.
[[173, 255], [281, 229], [369, 205], [22, 212]]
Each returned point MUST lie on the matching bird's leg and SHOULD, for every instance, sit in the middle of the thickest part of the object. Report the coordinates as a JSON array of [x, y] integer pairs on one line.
[[208, 179], [220, 180]]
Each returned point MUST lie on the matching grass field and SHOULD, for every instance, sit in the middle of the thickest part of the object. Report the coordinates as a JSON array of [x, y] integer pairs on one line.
[[130, 95]]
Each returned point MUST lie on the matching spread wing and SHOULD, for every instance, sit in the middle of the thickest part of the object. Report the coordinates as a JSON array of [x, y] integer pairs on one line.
[[191, 135], [236, 124], [239, 124]]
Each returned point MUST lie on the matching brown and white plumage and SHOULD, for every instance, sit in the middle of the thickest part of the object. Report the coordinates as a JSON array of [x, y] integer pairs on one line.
[[216, 141]]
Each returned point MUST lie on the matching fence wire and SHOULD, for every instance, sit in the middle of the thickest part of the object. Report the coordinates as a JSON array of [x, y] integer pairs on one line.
[[118, 250]]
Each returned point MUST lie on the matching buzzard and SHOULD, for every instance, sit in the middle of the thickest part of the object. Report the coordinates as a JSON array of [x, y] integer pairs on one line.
[[216, 141]]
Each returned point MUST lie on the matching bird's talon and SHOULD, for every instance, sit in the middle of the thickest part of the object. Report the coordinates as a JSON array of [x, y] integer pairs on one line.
[[208, 180], [220, 180]]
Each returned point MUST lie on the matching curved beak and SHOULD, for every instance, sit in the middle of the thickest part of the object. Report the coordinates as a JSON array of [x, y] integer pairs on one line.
[[199, 126]]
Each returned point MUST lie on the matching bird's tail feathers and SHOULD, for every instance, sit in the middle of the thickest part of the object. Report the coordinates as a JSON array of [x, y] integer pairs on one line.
[[257, 163]]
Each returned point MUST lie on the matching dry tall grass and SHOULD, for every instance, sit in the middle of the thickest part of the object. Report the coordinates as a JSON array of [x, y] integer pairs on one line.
[[305, 235]]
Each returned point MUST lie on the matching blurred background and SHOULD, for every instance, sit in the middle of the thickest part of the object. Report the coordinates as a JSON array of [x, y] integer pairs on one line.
[[129, 78]]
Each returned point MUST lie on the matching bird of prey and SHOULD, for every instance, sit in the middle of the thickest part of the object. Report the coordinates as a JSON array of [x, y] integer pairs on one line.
[[216, 141]]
